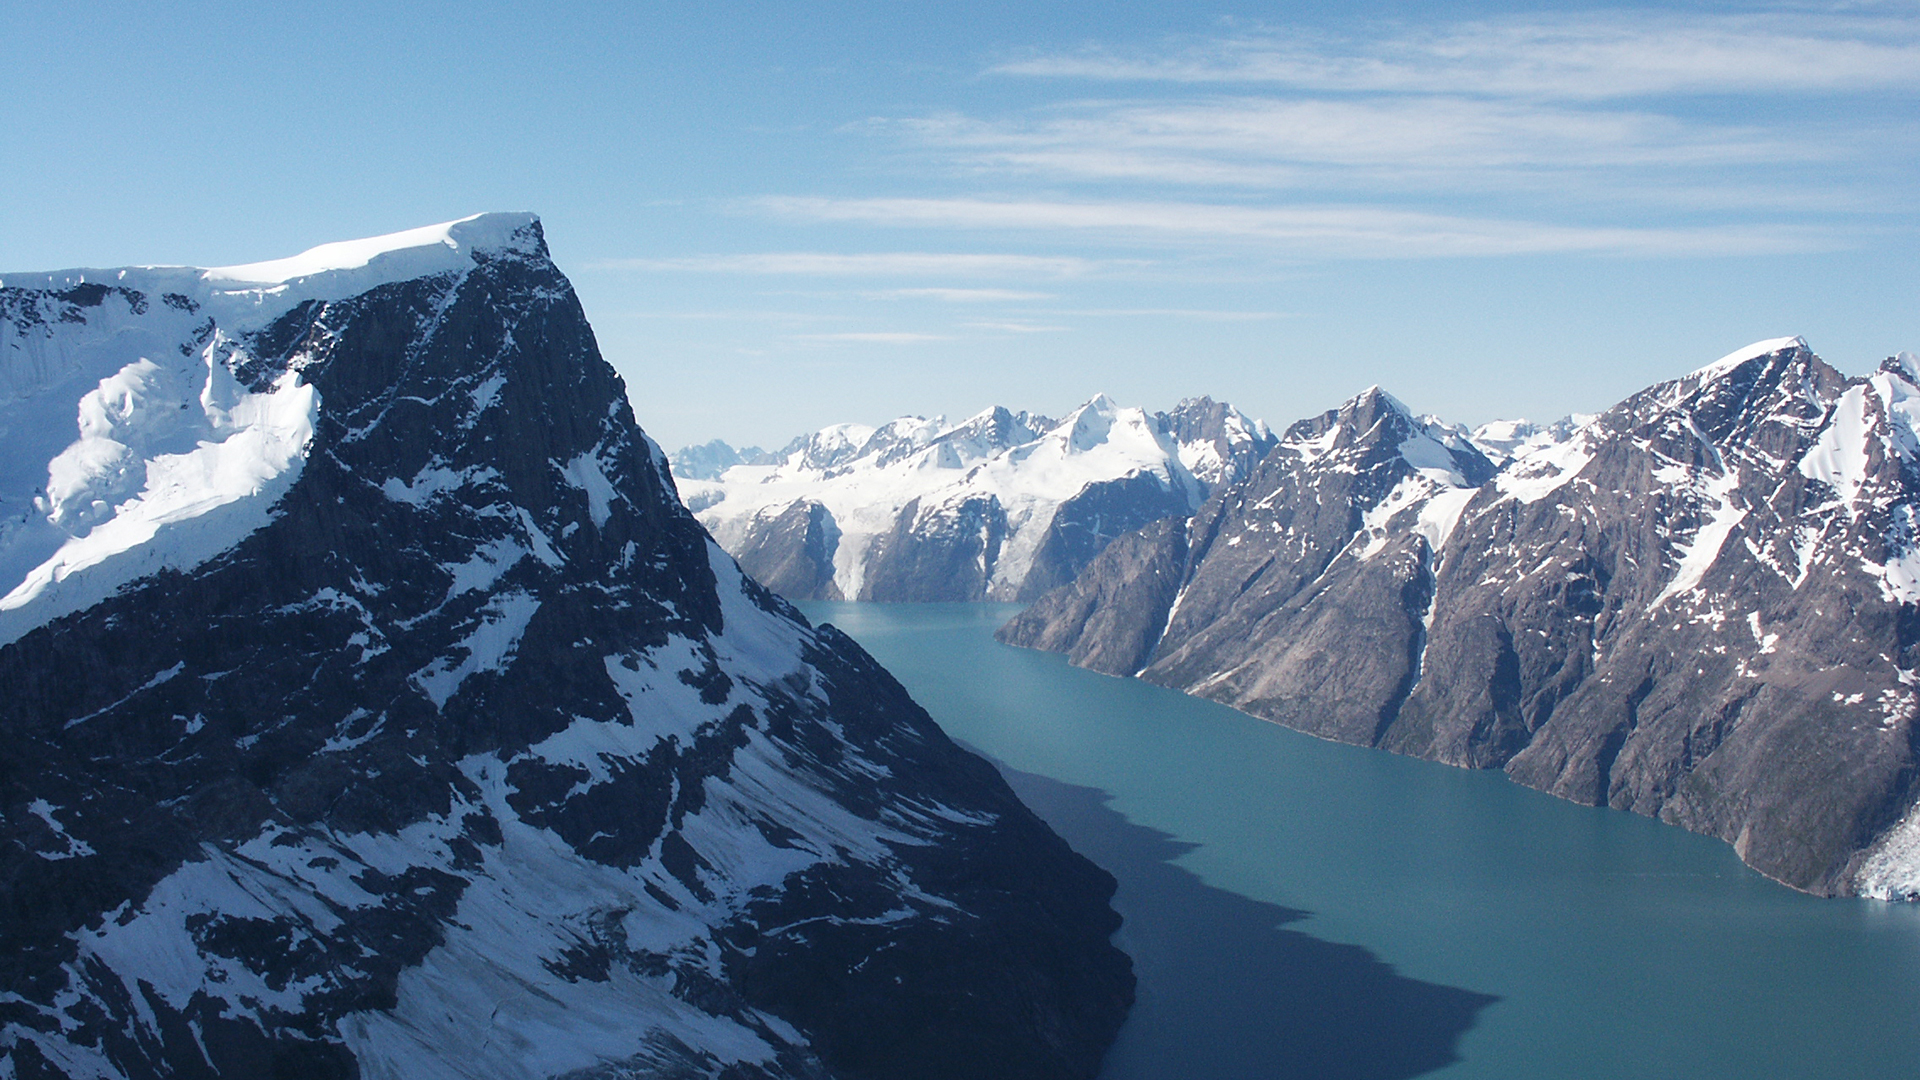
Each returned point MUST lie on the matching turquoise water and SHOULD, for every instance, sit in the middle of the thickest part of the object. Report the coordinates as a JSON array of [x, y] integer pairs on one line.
[[1575, 942]]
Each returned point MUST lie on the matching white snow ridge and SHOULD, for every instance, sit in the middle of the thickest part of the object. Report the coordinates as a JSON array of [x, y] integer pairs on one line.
[[1024, 466], [127, 443]]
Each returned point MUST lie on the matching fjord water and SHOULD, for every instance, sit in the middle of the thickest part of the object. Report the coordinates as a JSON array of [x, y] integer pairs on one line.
[[1428, 911]]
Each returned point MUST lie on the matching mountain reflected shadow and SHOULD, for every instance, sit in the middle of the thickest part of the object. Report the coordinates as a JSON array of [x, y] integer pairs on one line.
[[1226, 993]]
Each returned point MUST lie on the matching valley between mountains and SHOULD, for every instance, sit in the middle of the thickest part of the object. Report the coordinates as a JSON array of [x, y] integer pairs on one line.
[[1699, 605], [381, 701]]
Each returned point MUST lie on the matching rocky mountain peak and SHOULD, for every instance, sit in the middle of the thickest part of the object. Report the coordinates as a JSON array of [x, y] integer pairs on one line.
[[1218, 443], [431, 694], [1373, 427], [1503, 441]]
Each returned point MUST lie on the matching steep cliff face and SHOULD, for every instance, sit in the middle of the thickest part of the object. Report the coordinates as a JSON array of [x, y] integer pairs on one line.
[[1699, 606], [1327, 547], [1002, 506], [374, 708], [1700, 610]]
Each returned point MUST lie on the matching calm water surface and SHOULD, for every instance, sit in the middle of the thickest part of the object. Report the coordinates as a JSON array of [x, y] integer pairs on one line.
[[1567, 942]]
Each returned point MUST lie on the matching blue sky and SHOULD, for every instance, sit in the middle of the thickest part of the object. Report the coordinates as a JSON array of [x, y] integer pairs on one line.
[[781, 215]]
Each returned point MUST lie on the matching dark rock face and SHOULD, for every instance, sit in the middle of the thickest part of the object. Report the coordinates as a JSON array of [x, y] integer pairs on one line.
[[1698, 609], [480, 758], [1111, 617], [1084, 525], [793, 553], [1318, 549], [937, 553]]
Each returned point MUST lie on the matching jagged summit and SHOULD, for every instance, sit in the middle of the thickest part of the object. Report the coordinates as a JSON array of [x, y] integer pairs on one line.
[[1750, 352], [1001, 505]]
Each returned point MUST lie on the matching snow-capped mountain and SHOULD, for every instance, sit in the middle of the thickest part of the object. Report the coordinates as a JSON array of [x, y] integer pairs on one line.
[[1329, 545], [374, 708], [708, 460], [1503, 440], [1698, 606], [1001, 506]]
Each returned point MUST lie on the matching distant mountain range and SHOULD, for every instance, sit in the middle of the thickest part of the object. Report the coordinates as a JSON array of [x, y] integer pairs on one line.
[[1702, 605], [1001, 506]]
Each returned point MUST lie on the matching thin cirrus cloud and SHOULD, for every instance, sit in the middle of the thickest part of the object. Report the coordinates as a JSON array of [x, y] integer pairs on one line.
[[870, 337], [1398, 142], [965, 296], [871, 264], [1016, 327], [1580, 57], [1731, 115], [1306, 230]]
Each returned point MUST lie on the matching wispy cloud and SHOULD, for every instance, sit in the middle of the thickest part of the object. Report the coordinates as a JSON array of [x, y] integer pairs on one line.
[[1583, 56], [1016, 327], [965, 296], [1397, 142], [1601, 133], [869, 264], [872, 337], [1343, 230], [1202, 314]]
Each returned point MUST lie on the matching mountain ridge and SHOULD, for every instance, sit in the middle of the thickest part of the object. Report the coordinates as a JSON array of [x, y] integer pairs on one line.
[[1691, 607], [1001, 505]]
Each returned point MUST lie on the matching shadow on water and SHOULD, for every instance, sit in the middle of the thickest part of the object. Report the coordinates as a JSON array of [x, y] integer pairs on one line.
[[1269, 1003]]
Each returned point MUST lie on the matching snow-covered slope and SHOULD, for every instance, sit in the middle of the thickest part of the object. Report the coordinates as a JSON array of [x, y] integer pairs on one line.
[[1504, 440], [1000, 506], [374, 708], [131, 443]]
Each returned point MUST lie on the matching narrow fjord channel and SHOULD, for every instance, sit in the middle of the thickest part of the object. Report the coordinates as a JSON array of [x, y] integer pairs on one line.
[[1298, 908]]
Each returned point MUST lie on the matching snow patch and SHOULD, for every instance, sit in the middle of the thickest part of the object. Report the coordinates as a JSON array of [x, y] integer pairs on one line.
[[411, 253], [1539, 473], [588, 474], [1840, 457], [146, 488], [1892, 867], [1740, 356], [1697, 555], [489, 647]]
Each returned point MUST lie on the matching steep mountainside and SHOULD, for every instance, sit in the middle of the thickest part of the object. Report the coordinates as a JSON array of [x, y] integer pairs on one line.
[[1002, 506], [1327, 546], [374, 708], [1700, 606]]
